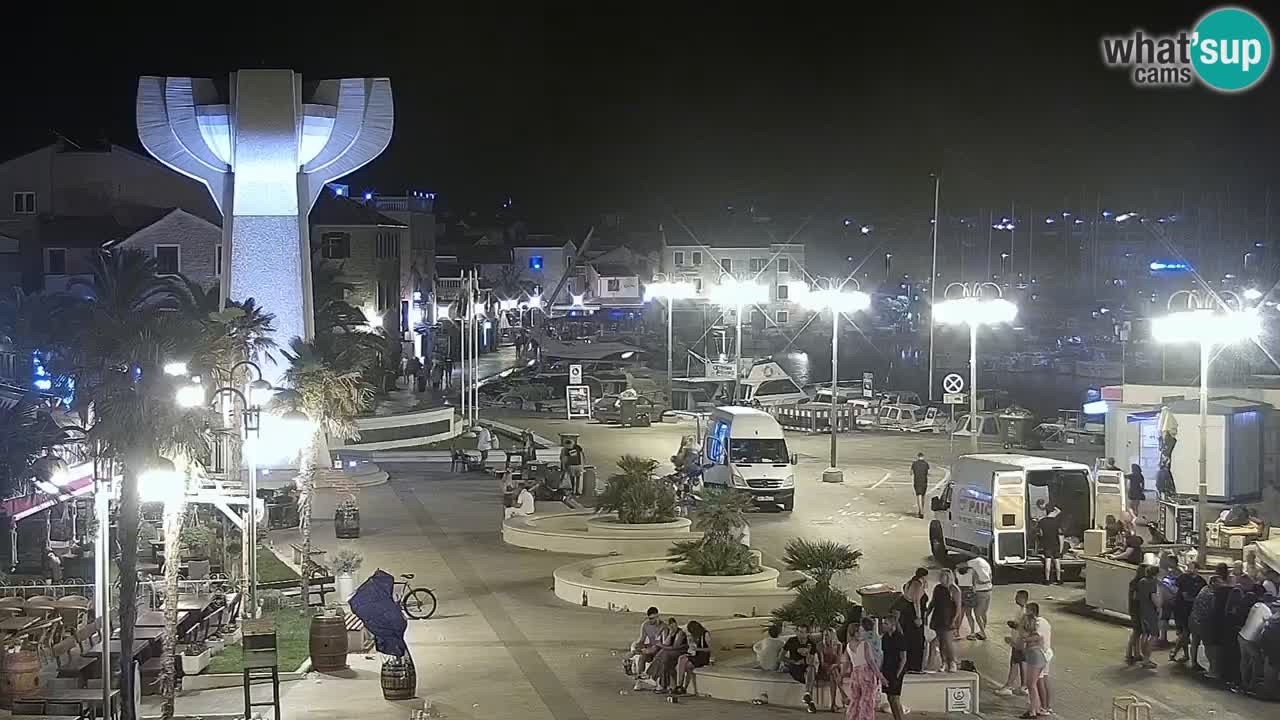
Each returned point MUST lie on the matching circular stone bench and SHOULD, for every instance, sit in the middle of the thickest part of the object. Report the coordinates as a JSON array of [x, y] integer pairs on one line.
[[731, 675], [583, 532], [633, 584]]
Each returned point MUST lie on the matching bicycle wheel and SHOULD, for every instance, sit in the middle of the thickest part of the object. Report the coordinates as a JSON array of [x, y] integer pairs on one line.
[[419, 604]]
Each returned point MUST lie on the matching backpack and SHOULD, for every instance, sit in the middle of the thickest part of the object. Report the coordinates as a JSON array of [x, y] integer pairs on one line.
[[1271, 636]]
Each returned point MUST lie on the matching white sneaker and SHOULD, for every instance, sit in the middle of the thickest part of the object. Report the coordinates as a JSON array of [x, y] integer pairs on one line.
[[1004, 692], [1020, 692]]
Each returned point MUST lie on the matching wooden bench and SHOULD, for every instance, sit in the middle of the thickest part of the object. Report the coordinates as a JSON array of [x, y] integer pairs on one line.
[[321, 583]]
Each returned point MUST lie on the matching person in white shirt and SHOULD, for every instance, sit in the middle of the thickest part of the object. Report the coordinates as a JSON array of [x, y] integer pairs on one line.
[[1013, 686], [1045, 631], [1251, 662], [484, 440], [1271, 583], [768, 650], [524, 504], [981, 571]]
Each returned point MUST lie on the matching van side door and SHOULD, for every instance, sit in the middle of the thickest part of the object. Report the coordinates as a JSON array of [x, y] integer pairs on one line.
[[1008, 517]]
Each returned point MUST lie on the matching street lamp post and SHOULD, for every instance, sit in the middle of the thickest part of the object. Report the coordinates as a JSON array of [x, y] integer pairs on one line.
[[970, 308], [1206, 325], [838, 301], [669, 291], [735, 293]]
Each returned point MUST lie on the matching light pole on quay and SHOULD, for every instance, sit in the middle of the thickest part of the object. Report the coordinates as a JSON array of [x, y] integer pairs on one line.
[[669, 291], [970, 308], [735, 293], [839, 302], [1207, 321]]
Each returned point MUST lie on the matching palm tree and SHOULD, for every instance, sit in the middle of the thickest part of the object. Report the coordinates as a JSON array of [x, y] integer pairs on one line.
[[330, 396], [26, 433], [820, 560], [817, 602], [117, 346]]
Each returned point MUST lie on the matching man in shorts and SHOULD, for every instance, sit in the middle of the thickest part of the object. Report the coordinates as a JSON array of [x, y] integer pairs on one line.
[[647, 645], [1051, 545], [1013, 686], [920, 482]]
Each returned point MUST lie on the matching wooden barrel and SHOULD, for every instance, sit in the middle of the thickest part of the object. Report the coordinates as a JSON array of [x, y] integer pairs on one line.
[[328, 643], [399, 678], [19, 676]]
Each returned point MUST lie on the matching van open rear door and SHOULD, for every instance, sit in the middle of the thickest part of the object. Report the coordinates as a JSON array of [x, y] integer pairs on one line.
[[1008, 518], [1108, 496]]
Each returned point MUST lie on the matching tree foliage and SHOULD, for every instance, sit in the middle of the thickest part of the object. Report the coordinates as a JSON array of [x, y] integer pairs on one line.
[[635, 495], [817, 602]]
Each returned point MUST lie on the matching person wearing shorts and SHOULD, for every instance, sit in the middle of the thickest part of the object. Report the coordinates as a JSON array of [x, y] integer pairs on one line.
[[980, 569], [1051, 544], [920, 482], [1013, 685]]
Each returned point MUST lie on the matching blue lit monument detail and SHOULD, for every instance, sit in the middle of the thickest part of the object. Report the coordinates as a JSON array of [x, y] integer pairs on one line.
[[265, 153]]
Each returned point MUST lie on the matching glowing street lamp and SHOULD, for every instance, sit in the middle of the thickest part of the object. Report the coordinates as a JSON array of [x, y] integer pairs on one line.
[[971, 309], [735, 293], [838, 301], [669, 291], [175, 369], [1201, 322]]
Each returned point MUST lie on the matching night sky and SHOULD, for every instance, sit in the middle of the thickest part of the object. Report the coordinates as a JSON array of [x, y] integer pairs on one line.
[[574, 109]]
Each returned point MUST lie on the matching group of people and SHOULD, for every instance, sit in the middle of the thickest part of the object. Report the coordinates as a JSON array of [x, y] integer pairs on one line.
[[527, 347], [1233, 615], [666, 654], [418, 375]]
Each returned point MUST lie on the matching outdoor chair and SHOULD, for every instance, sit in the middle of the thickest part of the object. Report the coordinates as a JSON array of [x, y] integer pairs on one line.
[[79, 601], [72, 617], [71, 665], [198, 570]]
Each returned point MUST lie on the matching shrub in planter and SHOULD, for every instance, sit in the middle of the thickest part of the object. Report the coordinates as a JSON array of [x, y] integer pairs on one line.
[[817, 602], [720, 552], [635, 495], [195, 540]]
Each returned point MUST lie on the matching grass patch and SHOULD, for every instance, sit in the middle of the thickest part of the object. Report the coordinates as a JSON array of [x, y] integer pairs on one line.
[[272, 570], [293, 643]]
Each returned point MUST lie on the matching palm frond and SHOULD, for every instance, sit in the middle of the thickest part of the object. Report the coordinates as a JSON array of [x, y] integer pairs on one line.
[[820, 559]]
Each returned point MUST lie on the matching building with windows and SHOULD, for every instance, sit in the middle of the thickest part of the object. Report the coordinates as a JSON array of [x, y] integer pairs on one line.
[[60, 203], [368, 246], [181, 243]]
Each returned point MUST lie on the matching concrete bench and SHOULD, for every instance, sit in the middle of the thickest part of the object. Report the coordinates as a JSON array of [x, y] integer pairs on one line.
[[733, 678]]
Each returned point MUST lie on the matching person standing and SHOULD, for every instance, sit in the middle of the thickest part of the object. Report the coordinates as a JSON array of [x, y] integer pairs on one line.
[[944, 614], [1034, 661], [1050, 528], [528, 448], [484, 439], [863, 679], [1013, 684], [1250, 636], [1045, 631], [920, 482], [893, 666], [1146, 589], [981, 572], [572, 459], [1137, 488], [1201, 624], [911, 616], [1186, 589]]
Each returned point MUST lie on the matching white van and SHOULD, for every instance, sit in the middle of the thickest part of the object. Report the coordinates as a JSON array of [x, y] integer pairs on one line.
[[747, 451], [991, 504]]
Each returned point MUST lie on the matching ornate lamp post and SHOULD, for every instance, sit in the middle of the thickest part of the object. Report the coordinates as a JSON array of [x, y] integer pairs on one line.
[[839, 301]]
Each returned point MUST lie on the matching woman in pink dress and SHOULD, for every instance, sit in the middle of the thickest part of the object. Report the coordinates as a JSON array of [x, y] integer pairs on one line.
[[863, 679]]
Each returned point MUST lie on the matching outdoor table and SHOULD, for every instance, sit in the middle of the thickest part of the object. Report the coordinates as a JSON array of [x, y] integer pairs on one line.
[[155, 618], [89, 698], [194, 603], [139, 647], [21, 622], [148, 633]]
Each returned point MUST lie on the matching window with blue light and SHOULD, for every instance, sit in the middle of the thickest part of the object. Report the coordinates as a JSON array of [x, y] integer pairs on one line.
[[535, 262]]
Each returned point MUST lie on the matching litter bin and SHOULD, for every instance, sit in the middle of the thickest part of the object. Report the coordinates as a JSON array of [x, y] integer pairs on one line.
[[877, 599], [1019, 430], [626, 411]]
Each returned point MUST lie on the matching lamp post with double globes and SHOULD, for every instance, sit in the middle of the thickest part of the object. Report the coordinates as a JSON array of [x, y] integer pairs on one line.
[[839, 301], [969, 307], [737, 294], [1207, 320], [669, 291]]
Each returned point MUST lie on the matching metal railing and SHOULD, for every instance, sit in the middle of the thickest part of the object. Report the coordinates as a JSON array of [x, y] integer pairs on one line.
[[33, 588], [813, 418]]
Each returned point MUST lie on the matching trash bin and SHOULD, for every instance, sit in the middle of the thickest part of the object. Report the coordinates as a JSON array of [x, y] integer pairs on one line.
[[590, 481], [626, 411], [877, 599]]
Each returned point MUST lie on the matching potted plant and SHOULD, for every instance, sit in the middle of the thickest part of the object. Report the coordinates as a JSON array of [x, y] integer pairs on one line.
[[195, 658], [635, 496], [345, 565], [721, 550], [195, 540], [346, 518], [818, 604]]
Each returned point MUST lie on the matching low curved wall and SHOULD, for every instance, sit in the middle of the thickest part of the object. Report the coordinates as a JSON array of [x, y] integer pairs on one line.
[[596, 583], [668, 578], [584, 533]]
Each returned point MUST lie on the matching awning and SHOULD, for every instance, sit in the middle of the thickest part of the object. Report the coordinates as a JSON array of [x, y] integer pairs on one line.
[[78, 482], [1269, 553]]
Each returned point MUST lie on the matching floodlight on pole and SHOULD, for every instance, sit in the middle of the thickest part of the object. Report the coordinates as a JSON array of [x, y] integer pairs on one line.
[[176, 368], [834, 298], [972, 309], [161, 483], [259, 392], [1207, 321], [669, 291], [190, 395], [735, 293]]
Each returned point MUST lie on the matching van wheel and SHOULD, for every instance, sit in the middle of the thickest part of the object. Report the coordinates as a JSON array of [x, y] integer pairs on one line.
[[937, 545]]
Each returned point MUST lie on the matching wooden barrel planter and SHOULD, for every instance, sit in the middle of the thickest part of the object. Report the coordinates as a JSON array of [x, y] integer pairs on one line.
[[19, 676], [346, 522], [328, 642], [399, 678]]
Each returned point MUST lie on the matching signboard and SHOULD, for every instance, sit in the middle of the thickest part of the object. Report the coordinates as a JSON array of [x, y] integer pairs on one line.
[[720, 371], [953, 398], [575, 374], [960, 699], [578, 401], [868, 385], [953, 383]]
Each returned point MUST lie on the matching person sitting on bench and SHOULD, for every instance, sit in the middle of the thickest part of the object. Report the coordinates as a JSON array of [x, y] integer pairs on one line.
[[523, 506]]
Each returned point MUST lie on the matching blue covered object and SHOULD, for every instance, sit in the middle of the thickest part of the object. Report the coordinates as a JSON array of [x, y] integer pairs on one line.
[[374, 603]]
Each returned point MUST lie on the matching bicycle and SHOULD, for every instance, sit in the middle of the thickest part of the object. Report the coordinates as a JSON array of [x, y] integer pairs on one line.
[[416, 603]]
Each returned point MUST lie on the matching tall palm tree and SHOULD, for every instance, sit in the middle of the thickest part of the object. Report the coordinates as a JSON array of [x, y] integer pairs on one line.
[[117, 346], [26, 433], [331, 396]]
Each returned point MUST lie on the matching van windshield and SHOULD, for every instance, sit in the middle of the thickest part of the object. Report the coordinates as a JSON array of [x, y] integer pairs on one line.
[[756, 450]]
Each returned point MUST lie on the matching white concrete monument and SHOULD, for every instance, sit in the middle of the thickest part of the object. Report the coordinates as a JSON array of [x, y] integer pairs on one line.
[[265, 153]]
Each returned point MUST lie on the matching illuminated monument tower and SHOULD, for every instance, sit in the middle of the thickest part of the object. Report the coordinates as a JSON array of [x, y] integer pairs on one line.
[[265, 153]]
